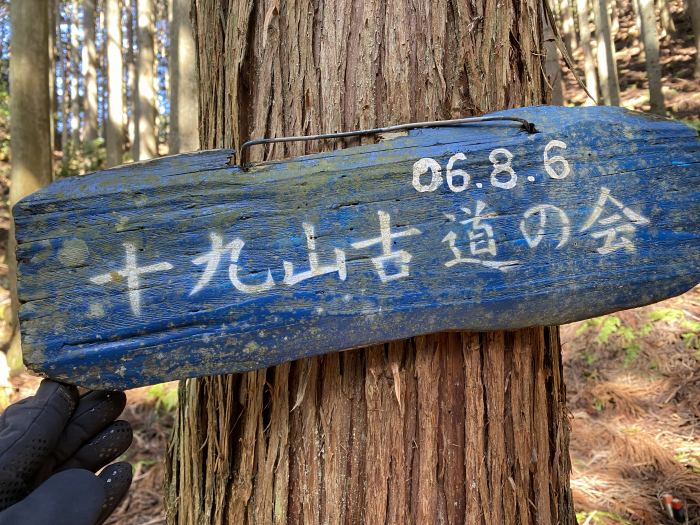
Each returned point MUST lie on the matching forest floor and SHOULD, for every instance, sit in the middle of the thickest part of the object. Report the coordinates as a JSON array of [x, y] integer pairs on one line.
[[633, 391], [677, 57], [633, 378]]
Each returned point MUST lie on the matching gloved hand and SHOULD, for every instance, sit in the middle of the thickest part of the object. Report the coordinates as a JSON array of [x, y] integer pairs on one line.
[[50, 446]]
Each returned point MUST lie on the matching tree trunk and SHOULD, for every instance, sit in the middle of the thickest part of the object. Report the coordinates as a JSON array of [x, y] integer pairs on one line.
[[63, 60], [567, 25], [637, 22], [161, 41], [102, 84], [614, 19], [145, 146], [130, 73], [51, 73], [90, 67], [668, 27], [4, 31], [588, 61], [57, 68], [114, 126], [614, 22], [607, 71], [694, 10], [30, 122], [651, 52], [74, 60], [552, 67], [184, 135], [445, 428]]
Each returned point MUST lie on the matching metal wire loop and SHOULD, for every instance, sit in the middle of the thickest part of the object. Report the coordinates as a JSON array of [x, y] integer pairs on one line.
[[526, 126]]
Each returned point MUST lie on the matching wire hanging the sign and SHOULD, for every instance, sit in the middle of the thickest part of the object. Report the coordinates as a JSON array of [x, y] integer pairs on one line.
[[525, 125]]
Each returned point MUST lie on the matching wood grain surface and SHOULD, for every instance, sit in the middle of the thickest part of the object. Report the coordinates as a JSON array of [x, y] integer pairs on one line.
[[186, 266]]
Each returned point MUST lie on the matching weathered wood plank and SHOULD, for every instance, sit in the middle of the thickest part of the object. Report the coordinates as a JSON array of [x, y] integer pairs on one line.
[[185, 266]]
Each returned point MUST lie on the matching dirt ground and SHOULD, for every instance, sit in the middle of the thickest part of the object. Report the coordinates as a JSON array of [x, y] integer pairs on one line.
[[633, 378], [633, 390]]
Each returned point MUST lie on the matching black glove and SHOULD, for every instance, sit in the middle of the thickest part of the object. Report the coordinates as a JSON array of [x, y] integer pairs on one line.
[[50, 446]]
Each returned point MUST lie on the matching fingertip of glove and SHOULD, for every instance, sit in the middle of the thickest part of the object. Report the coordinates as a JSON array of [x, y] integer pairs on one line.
[[120, 472], [117, 480]]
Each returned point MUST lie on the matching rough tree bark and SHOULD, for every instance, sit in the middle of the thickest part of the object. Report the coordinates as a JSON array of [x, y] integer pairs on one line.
[[445, 428], [607, 70], [650, 38], [145, 145], [184, 110], [585, 39], [90, 68], [114, 125]]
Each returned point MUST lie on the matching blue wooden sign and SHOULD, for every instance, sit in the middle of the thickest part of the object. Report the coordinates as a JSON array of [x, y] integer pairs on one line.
[[187, 266]]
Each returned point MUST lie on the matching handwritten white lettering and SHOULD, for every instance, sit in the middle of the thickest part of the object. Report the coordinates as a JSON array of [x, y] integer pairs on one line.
[[481, 241], [132, 272], [614, 224], [400, 257], [541, 211], [315, 269], [549, 161]]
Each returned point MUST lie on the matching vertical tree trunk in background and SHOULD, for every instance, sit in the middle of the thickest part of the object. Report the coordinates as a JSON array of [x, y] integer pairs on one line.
[[637, 20], [30, 117], [667, 25], [3, 63], [607, 72], [184, 110], [446, 428], [74, 60], [651, 53], [161, 41], [567, 25], [90, 68], [57, 66], [613, 16], [51, 7], [130, 9], [145, 146], [114, 125], [102, 80], [693, 7], [552, 67], [63, 59], [585, 39], [614, 19]]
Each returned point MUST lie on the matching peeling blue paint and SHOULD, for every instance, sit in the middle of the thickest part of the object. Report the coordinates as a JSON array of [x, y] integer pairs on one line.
[[80, 324]]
